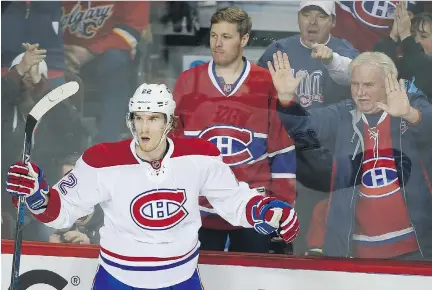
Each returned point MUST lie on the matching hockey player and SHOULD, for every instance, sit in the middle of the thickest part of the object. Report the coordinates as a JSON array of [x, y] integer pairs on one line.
[[148, 188], [232, 103]]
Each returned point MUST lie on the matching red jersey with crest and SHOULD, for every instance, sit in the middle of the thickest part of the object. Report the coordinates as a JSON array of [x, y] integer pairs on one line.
[[383, 227], [241, 119], [103, 25], [151, 214]]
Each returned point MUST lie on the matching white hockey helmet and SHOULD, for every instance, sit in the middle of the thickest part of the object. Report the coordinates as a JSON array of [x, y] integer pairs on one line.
[[155, 98]]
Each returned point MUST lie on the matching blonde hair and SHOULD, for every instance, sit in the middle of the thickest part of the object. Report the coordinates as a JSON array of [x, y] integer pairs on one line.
[[174, 122], [377, 59], [234, 15]]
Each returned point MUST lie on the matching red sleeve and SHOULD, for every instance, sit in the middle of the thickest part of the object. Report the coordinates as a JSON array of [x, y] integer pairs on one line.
[[132, 17], [53, 207], [282, 156], [178, 93]]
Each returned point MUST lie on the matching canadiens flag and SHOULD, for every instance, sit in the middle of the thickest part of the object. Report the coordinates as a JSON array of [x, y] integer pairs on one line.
[[362, 23]]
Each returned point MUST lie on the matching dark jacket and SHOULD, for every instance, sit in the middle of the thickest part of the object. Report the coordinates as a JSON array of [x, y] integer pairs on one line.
[[414, 63], [337, 128], [317, 89], [32, 22]]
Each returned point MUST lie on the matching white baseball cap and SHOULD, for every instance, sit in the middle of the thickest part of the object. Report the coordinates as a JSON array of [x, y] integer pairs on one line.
[[43, 68], [328, 6]]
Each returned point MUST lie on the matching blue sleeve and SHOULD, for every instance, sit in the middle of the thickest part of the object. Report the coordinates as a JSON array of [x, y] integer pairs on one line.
[[284, 163], [267, 56], [345, 48], [314, 128], [422, 128]]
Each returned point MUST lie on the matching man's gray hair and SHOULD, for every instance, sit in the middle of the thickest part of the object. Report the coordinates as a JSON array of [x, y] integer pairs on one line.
[[377, 59]]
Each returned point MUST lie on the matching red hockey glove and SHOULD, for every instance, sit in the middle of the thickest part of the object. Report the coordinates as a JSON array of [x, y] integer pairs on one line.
[[28, 181], [267, 214]]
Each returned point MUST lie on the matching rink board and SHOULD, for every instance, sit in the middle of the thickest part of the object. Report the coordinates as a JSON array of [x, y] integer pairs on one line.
[[71, 267]]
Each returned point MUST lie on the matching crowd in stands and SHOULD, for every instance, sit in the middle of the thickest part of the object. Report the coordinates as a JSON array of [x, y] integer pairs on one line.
[[346, 208]]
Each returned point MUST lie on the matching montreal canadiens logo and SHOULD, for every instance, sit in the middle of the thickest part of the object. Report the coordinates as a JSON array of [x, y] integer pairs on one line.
[[232, 142], [378, 14], [159, 209], [379, 172]]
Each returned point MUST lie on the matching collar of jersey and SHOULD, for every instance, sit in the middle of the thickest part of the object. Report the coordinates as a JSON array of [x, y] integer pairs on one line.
[[214, 79], [167, 155]]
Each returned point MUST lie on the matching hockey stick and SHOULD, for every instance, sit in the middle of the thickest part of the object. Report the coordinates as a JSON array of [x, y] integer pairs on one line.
[[41, 108]]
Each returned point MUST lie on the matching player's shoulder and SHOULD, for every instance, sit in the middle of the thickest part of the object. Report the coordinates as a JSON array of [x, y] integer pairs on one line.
[[202, 68], [194, 146], [256, 70], [259, 75], [109, 154]]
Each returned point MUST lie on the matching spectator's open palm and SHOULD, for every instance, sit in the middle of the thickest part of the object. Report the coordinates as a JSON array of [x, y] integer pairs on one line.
[[282, 76], [403, 20], [398, 104]]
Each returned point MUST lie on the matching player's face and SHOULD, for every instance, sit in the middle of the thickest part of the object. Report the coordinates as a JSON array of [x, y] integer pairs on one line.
[[315, 25], [149, 129], [368, 87], [225, 43], [423, 35]]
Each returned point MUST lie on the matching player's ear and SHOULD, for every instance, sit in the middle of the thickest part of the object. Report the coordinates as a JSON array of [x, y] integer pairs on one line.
[[244, 40]]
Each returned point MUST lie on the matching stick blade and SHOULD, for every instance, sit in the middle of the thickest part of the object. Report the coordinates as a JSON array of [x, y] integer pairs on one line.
[[54, 97]]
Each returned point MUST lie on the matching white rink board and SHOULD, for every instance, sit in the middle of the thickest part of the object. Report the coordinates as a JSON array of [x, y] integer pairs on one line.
[[226, 277]]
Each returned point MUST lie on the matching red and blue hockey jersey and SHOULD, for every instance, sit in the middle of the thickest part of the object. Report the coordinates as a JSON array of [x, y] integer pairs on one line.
[[103, 25], [244, 125]]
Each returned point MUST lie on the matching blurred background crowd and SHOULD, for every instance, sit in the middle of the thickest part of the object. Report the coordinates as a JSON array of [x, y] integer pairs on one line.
[[111, 47]]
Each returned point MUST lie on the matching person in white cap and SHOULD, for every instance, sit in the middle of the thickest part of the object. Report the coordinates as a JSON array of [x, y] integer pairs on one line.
[[315, 50], [325, 59], [24, 81]]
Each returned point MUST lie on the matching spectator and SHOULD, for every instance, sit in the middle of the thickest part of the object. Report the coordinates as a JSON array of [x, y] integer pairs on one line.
[[24, 84], [232, 103], [86, 229], [67, 164], [381, 198], [101, 47], [325, 59], [415, 37], [363, 23], [6, 225], [20, 85], [33, 22]]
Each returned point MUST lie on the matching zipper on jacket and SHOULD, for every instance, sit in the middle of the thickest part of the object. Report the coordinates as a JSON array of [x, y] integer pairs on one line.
[[402, 182], [349, 238]]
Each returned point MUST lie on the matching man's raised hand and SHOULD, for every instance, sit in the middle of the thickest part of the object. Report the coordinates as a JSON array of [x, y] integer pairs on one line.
[[283, 78]]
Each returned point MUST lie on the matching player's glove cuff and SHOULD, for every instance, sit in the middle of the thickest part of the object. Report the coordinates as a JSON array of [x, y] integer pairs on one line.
[[36, 203], [255, 214]]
